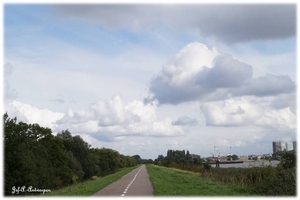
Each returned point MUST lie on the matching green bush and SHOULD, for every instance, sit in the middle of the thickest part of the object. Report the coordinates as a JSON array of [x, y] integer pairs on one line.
[[207, 165], [288, 160]]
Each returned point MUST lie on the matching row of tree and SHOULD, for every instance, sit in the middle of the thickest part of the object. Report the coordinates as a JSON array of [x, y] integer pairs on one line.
[[35, 157], [178, 157], [143, 161]]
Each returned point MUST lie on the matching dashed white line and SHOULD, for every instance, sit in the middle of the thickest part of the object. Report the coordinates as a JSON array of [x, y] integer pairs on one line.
[[128, 186]]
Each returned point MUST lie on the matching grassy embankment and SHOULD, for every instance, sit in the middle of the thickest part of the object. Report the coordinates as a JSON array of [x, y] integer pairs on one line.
[[90, 187], [175, 182], [265, 181]]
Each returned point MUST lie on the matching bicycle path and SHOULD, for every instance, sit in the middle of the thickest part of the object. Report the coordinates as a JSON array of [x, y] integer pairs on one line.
[[135, 183]]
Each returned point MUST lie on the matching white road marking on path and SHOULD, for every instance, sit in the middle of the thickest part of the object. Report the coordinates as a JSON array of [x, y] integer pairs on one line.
[[128, 186]]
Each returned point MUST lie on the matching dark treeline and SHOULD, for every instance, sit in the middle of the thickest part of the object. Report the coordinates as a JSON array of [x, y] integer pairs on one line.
[[176, 158], [33, 156], [143, 161]]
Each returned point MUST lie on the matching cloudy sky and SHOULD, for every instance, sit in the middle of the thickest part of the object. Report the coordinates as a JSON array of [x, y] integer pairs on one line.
[[145, 78]]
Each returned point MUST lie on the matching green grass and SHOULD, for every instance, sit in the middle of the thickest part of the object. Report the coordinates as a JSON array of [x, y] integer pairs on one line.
[[90, 187], [174, 182]]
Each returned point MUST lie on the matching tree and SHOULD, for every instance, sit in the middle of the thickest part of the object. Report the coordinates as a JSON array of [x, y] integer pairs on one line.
[[33, 157], [188, 155], [235, 157], [59, 161], [149, 161], [109, 160], [138, 159], [197, 160], [170, 155], [81, 151], [288, 160], [76, 167]]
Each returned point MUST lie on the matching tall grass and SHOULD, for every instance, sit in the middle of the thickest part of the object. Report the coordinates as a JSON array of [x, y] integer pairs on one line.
[[264, 180], [275, 181], [174, 182]]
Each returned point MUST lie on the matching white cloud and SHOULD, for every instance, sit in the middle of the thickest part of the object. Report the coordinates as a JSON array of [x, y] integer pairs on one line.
[[139, 143], [175, 83], [246, 112], [284, 101], [110, 112], [137, 137], [222, 73], [199, 74], [280, 119], [192, 59], [12, 112], [32, 114], [113, 118], [266, 85], [264, 62], [9, 92], [106, 121], [185, 121], [231, 112]]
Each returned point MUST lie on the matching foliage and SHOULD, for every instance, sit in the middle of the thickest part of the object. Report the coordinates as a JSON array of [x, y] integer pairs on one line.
[[138, 159], [178, 157], [288, 160], [232, 157], [262, 180], [33, 156], [207, 165]]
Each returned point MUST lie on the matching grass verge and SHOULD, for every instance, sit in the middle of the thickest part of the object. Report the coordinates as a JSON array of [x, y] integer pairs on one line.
[[90, 187], [170, 182]]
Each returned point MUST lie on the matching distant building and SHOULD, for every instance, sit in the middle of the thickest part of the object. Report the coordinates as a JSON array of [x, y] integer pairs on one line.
[[295, 146], [289, 146], [283, 146], [277, 146]]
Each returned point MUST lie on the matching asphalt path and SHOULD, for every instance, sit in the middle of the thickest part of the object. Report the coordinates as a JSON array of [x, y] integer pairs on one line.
[[135, 183]]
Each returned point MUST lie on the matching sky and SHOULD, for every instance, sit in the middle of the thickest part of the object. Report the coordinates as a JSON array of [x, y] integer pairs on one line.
[[145, 78]]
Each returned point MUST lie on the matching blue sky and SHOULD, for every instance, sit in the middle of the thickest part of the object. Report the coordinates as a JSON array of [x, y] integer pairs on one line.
[[36, 23], [148, 78]]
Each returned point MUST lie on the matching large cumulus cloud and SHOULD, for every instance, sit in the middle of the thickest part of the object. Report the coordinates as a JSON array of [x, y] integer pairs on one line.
[[227, 72], [229, 23], [266, 85], [285, 101], [104, 120], [177, 82], [197, 73], [31, 114], [114, 118], [242, 111]]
